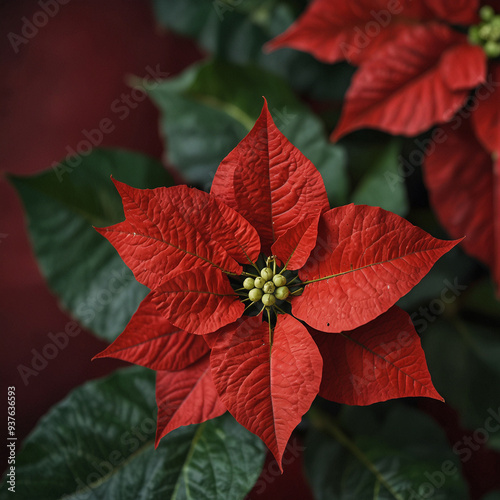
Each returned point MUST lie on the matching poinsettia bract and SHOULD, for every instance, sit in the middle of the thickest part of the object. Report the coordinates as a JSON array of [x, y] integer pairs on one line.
[[262, 297], [415, 68]]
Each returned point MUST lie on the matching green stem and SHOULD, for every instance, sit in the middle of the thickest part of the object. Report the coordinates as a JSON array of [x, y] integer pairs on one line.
[[323, 422]]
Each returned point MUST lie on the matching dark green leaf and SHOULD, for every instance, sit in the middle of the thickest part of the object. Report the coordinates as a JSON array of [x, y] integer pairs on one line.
[[99, 444], [495, 495], [208, 109], [236, 31], [463, 359], [80, 266], [399, 455], [375, 188]]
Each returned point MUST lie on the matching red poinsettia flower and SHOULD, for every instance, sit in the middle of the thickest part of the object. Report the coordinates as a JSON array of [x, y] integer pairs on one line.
[[263, 297], [415, 70]]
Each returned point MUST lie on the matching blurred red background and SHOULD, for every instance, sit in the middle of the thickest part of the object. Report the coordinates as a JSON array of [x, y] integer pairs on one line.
[[59, 83]]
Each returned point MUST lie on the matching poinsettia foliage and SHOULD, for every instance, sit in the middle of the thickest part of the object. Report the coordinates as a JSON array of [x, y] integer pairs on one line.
[[418, 68], [415, 68], [262, 297]]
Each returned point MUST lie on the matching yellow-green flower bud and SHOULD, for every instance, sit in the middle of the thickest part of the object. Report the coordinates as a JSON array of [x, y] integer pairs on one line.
[[268, 299], [248, 284], [486, 13], [279, 280], [255, 295], [269, 287], [259, 282], [282, 293], [267, 273], [492, 49]]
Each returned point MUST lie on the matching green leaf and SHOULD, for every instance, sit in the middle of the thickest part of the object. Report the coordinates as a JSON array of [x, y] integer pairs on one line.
[[375, 189], [463, 359], [396, 454], [236, 31], [80, 266], [208, 109], [98, 443]]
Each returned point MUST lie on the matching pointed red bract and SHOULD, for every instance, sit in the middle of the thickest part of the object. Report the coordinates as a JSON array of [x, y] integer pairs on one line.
[[293, 247], [150, 340], [199, 301], [334, 30], [367, 259], [186, 397], [486, 118], [167, 230], [464, 66], [267, 388], [245, 246], [459, 175], [379, 361], [269, 182], [404, 89]]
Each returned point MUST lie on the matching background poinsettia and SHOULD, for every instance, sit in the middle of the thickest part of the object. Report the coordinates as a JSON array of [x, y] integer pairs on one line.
[[416, 69], [208, 97]]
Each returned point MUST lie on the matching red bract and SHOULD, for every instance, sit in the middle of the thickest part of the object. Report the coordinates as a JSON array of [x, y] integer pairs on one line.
[[414, 70], [464, 187], [291, 298]]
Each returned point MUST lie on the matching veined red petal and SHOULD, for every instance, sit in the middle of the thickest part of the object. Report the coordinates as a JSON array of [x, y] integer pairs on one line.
[[293, 247], [150, 340], [238, 237], [378, 361], [402, 89], [464, 191], [186, 397], [269, 182], [167, 230], [486, 118], [267, 387], [198, 301], [365, 260], [334, 30]]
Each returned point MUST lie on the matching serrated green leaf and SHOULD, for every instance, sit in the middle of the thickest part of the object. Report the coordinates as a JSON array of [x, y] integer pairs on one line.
[[80, 266], [209, 108], [402, 454], [98, 443]]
